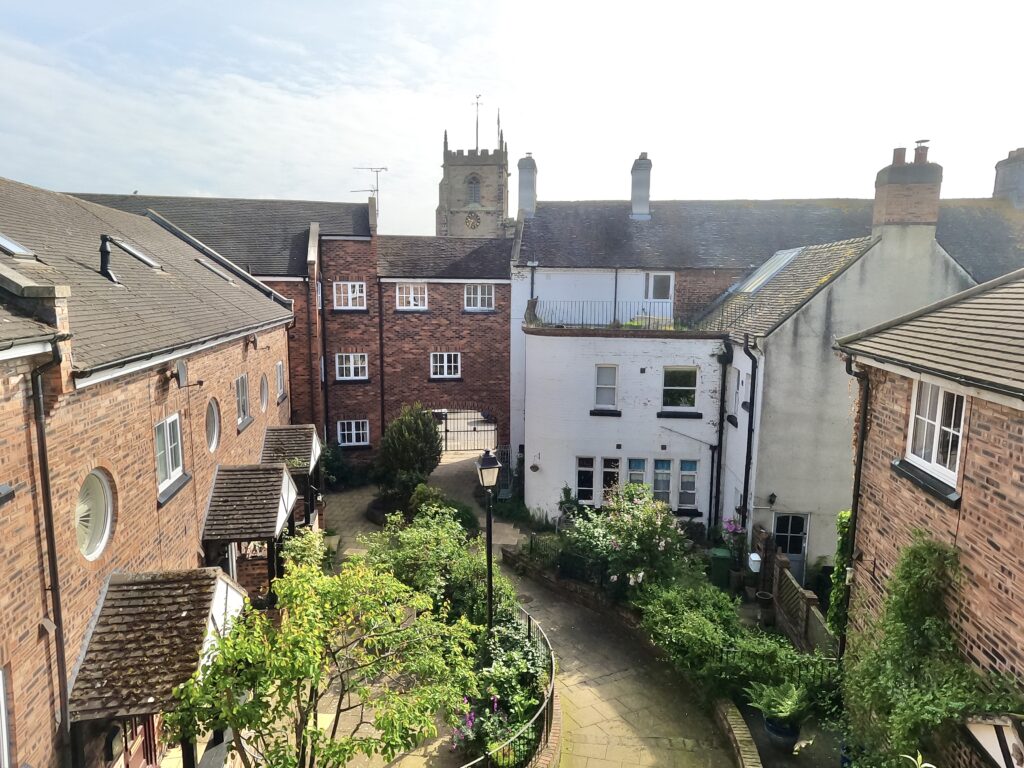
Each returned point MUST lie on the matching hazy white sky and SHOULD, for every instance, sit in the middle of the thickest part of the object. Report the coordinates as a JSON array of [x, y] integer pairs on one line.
[[730, 99]]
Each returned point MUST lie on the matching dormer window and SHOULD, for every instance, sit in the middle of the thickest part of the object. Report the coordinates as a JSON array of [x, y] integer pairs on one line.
[[473, 189]]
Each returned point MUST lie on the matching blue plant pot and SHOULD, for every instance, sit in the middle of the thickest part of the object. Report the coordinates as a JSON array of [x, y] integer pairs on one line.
[[782, 735]]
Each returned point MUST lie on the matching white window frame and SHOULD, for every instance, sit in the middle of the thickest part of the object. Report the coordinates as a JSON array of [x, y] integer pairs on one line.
[[279, 376], [173, 471], [592, 469], [319, 295], [5, 723], [212, 445], [649, 285], [607, 466], [349, 295], [242, 399], [478, 297], [446, 365], [356, 428], [662, 474], [353, 362], [664, 386], [408, 298], [933, 467], [642, 471], [695, 474], [613, 387]]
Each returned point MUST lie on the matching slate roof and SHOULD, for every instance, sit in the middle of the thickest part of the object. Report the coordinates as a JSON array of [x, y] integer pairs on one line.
[[146, 640], [15, 328], [761, 310], [295, 445], [264, 237], [975, 337], [444, 257], [244, 503], [152, 310], [985, 236]]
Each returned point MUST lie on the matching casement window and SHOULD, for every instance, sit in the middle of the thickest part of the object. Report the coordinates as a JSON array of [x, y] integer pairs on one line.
[[935, 429], [168, 451], [350, 366], [636, 471], [279, 375], [662, 485], [350, 295], [479, 297], [610, 475], [445, 365], [658, 286], [354, 432], [679, 388], [411, 296], [585, 479], [242, 400], [687, 484], [605, 394], [264, 393], [5, 722]]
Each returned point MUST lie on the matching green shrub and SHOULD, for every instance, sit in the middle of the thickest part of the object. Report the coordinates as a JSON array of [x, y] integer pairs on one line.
[[428, 495], [339, 472], [410, 450], [840, 590], [787, 702]]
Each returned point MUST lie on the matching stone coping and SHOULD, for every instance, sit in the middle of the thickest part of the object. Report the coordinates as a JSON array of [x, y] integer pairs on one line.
[[730, 721]]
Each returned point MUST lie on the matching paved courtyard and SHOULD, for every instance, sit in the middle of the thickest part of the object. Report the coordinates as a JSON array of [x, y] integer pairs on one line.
[[621, 706]]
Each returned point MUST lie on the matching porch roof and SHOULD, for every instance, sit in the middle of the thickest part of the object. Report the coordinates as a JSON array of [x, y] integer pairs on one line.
[[249, 503], [297, 445]]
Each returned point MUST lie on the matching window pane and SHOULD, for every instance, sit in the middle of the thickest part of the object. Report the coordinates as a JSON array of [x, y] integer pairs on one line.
[[606, 375], [174, 439], [637, 470], [924, 439], [585, 462], [952, 409], [680, 377], [687, 466], [162, 470], [949, 449], [679, 398], [660, 287], [927, 401], [606, 396]]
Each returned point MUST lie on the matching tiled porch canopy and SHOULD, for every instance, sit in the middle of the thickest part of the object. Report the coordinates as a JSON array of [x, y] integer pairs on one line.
[[249, 503], [149, 637], [297, 445]]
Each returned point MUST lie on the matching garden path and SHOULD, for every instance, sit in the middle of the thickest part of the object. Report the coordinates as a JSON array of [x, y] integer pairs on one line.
[[622, 707]]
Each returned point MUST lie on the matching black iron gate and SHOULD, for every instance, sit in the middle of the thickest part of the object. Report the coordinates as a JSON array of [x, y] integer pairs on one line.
[[466, 427]]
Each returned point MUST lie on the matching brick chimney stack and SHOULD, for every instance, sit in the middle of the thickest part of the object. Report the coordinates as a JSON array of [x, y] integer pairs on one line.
[[1010, 178], [907, 193], [641, 195], [527, 186]]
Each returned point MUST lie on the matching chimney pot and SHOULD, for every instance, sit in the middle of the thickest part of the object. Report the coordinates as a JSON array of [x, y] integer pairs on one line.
[[899, 156], [921, 151], [907, 193], [640, 199], [1009, 183]]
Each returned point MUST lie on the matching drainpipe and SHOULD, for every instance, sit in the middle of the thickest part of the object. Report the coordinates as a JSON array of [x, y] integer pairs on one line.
[[711, 487], [750, 430], [533, 273], [865, 391], [724, 359], [615, 298], [51, 539]]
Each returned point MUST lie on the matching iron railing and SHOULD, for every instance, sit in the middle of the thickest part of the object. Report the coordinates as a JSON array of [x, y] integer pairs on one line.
[[524, 747], [627, 315]]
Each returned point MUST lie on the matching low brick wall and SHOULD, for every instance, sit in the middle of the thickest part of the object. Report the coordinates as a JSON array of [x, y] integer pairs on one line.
[[730, 721], [551, 755]]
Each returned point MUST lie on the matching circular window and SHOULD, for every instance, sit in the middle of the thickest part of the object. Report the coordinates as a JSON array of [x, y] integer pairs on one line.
[[212, 424], [93, 514], [264, 393]]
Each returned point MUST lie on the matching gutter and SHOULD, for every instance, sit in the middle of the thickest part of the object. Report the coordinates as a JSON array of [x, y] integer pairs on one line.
[[51, 540], [724, 360], [865, 392], [750, 429]]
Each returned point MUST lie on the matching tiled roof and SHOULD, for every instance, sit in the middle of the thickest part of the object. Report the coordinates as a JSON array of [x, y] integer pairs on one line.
[[975, 337], [444, 257], [249, 503], [985, 236], [16, 328], [295, 445], [265, 237], [146, 640], [761, 310], [151, 310]]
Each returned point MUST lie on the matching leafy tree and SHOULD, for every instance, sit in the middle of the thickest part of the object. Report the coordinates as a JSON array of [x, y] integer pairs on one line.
[[360, 664], [409, 451]]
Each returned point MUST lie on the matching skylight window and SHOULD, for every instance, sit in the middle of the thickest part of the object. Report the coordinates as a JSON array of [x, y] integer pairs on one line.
[[14, 248], [133, 251], [768, 270], [222, 275]]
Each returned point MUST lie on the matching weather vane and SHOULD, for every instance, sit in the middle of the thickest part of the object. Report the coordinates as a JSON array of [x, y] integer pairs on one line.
[[478, 103]]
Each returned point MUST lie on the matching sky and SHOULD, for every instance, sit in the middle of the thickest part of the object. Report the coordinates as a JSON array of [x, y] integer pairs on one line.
[[729, 99]]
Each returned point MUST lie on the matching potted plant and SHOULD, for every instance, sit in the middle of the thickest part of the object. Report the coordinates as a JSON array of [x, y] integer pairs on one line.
[[785, 707]]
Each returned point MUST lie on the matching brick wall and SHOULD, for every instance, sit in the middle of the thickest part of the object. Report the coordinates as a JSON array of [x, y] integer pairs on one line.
[[697, 288], [307, 405], [109, 426], [906, 204], [988, 529]]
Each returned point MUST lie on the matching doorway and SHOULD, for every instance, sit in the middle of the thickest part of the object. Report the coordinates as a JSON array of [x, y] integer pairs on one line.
[[791, 540]]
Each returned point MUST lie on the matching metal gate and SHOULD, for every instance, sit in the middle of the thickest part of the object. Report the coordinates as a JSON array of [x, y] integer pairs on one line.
[[466, 427]]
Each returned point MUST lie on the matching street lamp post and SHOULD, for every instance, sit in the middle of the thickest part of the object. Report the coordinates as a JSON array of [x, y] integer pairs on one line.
[[487, 469]]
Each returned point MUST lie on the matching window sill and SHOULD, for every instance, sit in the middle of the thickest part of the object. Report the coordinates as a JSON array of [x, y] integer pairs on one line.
[[443, 379], [605, 412], [412, 310], [367, 380], [687, 513], [171, 490], [680, 415], [244, 423], [282, 397], [944, 492], [353, 311], [344, 447], [479, 311]]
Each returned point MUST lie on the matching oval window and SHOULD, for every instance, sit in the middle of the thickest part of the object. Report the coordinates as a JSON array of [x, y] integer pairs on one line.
[[264, 393], [93, 514], [212, 424]]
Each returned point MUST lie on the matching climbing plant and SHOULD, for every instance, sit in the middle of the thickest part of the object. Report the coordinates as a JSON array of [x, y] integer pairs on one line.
[[837, 596]]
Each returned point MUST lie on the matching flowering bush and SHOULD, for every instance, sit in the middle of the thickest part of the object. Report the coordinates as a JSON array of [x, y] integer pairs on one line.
[[633, 534], [735, 538]]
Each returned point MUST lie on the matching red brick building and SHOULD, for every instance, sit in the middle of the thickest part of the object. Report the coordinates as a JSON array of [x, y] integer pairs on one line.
[[133, 365], [941, 447]]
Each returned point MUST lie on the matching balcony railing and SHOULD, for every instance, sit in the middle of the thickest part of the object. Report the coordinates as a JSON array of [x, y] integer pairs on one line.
[[649, 315]]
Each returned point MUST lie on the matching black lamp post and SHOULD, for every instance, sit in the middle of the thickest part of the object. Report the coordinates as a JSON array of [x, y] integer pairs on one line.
[[487, 469]]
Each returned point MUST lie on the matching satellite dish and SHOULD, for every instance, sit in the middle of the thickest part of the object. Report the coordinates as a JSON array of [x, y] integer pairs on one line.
[[181, 373]]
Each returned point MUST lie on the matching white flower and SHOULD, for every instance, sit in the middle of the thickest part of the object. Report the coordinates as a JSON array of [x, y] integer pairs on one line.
[[632, 580], [639, 577], [661, 545], [614, 578]]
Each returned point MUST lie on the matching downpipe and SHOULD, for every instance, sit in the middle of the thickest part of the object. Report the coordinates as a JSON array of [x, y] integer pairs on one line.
[[751, 404]]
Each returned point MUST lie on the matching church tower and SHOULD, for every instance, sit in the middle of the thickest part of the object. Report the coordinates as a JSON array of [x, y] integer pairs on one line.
[[473, 194]]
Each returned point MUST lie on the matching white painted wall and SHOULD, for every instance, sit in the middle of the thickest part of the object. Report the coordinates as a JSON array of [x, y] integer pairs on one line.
[[734, 438], [559, 393]]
